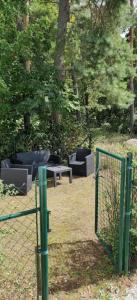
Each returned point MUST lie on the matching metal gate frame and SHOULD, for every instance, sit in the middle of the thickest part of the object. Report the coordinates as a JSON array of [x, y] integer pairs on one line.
[[126, 171], [42, 250], [44, 229]]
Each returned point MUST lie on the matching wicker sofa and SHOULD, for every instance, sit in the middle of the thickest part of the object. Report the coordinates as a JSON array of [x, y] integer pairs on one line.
[[22, 168], [36, 159]]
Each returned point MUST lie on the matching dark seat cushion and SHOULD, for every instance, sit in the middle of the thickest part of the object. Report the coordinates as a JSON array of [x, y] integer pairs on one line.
[[82, 153], [15, 160], [54, 159]]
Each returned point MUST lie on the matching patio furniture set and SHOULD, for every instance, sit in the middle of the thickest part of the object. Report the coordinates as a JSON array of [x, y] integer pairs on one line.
[[22, 168]]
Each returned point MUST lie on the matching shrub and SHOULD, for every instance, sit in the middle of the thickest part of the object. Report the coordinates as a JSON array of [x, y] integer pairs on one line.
[[7, 190], [134, 232]]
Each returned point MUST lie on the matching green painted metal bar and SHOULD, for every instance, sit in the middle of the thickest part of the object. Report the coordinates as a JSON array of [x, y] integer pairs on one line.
[[96, 190], [129, 175], [119, 157], [38, 263], [19, 214], [44, 231], [121, 221]]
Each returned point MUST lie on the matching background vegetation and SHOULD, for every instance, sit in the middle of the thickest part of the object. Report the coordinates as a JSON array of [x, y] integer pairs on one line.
[[65, 69]]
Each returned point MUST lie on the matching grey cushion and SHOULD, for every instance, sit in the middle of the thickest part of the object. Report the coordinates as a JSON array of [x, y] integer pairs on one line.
[[81, 153], [29, 184], [6, 163], [34, 156], [25, 157], [77, 163]]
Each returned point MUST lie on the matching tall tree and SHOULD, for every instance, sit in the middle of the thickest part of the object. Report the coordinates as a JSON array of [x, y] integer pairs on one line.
[[26, 20], [63, 19]]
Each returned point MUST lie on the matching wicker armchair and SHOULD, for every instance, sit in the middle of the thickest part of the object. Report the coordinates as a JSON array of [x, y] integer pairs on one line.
[[82, 162], [19, 175]]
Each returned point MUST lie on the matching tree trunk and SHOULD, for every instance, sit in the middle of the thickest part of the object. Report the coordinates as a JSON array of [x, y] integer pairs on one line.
[[131, 82], [75, 88], [63, 19], [25, 26], [88, 121], [27, 122]]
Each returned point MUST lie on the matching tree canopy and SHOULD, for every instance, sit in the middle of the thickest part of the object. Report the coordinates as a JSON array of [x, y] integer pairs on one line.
[[62, 64]]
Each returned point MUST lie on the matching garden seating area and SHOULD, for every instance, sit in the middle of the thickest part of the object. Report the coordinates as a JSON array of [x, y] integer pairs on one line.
[[21, 169]]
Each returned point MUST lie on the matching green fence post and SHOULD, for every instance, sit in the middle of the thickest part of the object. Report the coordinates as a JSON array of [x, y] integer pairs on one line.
[[129, 172], [121, 221], [96, 191], [43, 231]]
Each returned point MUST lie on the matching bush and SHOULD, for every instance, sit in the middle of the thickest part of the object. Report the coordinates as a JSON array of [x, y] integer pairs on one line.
[[7, 190], [134, 232]]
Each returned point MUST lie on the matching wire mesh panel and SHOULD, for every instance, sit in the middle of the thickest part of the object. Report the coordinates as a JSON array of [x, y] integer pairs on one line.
[[134, 192], [18, 235], [133, 231], [110, 185]]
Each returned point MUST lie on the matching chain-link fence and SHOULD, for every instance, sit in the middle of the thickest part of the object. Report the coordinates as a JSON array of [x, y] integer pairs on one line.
[[19, 240], [110, 180], [24, 226], [133, 231]]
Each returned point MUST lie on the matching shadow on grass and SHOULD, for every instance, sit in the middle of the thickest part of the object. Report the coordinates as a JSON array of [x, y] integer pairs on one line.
[[77, 264], [60, 182], [51, 183]]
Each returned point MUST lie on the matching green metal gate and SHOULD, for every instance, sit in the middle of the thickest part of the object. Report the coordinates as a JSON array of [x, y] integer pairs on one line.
[[113, 205], [24, 222], [133, 235]]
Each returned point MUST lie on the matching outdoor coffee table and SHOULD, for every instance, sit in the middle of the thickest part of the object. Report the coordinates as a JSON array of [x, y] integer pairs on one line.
[[58, 171]]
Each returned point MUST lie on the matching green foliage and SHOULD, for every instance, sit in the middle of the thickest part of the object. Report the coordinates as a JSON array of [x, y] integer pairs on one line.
[[101, 60], [25, 92], [7, 190], [104, 63], [110, 232], [133, 248]]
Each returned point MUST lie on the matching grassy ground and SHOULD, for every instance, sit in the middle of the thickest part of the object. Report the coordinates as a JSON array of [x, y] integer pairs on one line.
[[114, 142], [78, 266]]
